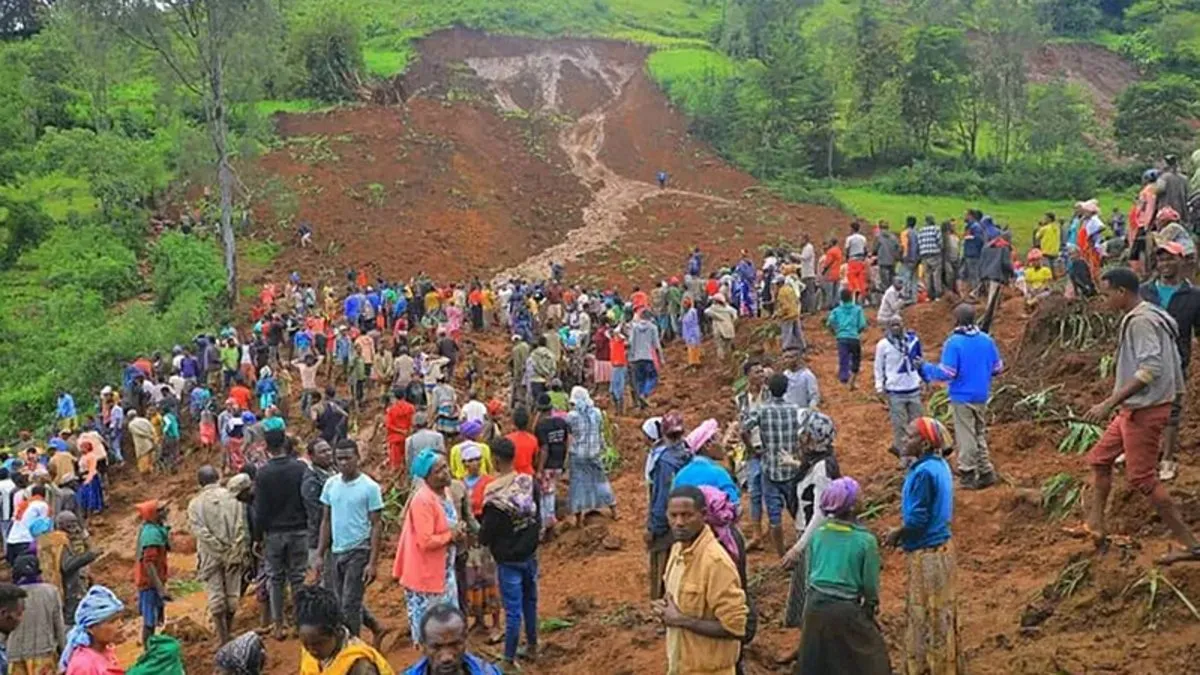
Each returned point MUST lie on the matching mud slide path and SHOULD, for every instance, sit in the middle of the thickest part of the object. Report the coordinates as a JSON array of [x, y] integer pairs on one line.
[[613, 195]]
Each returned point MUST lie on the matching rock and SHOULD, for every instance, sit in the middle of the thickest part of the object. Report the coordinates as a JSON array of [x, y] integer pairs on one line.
[[613, 543]]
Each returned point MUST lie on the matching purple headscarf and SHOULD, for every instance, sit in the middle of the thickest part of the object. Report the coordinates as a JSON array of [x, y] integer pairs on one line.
[[840, 496], [721, 515], [471, 429]]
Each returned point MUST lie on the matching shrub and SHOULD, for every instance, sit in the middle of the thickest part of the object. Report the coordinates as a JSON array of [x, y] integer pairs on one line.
[[84, 257], [22, 226], [326, 46], [184, 263]]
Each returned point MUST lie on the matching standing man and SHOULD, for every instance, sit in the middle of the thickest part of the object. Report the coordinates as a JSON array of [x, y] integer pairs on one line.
[[722, 318], [1175, 294], [974, 239], [787, 314], [1173, 188], [887, 253], [704, 609], [856, 262], [218, 522], [645, 351], [802, 390], [808, 274], [929, 247], [281, 523], [912, 258], [510, 529], [898, 379], [1149, 378], [320, 468], [520, 354], [747, 401], [662, 472], [12, 609], [351, 524], [970, 359], [892, 303], [778, 426]]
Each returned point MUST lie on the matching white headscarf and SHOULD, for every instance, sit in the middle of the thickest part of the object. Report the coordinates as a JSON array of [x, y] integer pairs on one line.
[[581, 399]]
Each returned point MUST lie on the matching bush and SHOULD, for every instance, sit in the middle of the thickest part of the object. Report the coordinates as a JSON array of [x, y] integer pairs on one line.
[[84, 257], [326, 46], [183, 264], [926, 178], [22, 226]]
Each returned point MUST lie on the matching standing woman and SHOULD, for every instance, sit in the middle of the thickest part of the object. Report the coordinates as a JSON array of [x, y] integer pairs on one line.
[[91, 491], [90, 645], [690, 328], [425, 554], [818, 470], [840, 632], [589, 489], [927, 506]]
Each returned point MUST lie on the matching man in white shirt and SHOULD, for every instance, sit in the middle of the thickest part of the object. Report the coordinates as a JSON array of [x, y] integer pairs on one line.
[[898, 379], [20, 538], [802, 389], [808, 275], [892, 304], [473, 410]]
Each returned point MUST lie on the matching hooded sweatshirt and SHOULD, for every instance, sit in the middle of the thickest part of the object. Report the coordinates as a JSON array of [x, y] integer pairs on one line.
[[643, 341]]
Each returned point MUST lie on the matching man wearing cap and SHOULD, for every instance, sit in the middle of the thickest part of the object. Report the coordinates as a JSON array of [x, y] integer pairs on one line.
[[1174, 293], [674, 456]]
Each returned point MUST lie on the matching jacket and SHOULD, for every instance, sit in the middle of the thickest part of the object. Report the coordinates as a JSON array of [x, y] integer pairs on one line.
[[704, 582], [420, 563], [509, 545], [1184, 307], [847, 321], [1147, 351], [643, 341], [896, 370], [969, 361], [887, 249]]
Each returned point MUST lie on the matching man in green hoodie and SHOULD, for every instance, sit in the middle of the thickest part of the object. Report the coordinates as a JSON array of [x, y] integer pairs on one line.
[[847, 322]]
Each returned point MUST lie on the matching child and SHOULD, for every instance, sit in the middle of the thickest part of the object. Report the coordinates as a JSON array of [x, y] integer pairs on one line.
[[848, 322], [482, 594], [620, 364], [150, 572]]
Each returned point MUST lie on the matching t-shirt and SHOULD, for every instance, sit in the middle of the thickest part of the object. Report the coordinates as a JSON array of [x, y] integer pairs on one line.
[[527, 447], [1165, 293], [856, 247], [1050, 239], [350, 507], [474, 410], [241, 395], [616, 350], [551, 434], [1038, 278]]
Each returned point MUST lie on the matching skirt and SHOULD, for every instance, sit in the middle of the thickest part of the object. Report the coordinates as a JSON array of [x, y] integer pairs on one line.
[[797, 594], [483, 595], [693, 355], [931, 644], [840, 637], [589, 489], [37, 665], [91, 496], [602, 371], [419, 603]]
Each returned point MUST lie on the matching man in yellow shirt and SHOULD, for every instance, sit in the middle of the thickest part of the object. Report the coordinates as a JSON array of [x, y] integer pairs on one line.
[[1048, 240], [704, 607]]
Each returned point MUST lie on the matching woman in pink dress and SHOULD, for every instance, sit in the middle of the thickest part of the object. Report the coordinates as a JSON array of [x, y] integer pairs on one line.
[[97, 630]]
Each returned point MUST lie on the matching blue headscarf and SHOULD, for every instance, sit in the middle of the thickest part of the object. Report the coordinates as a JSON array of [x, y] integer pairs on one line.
[[98, 606], [424, 463]]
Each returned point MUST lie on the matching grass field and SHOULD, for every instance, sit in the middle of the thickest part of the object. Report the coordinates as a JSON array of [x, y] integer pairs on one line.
[[1021, 215]]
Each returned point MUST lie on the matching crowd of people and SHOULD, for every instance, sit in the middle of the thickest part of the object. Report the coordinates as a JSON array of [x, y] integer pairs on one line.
[[484, 459]]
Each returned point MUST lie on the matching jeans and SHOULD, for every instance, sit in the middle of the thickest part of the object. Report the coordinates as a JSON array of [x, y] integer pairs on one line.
[[519, 593], [286, 555], [348, 570], [849, 359], [645, 378], [755, 478], [779, 495]]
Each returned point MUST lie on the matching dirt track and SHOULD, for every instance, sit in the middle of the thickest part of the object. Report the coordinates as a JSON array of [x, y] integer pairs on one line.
[[475, 182]]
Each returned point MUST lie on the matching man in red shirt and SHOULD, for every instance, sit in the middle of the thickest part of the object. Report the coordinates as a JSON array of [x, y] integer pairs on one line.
[[240, 393], [399, 423], [526, 444], [639, 299], [831, 273]]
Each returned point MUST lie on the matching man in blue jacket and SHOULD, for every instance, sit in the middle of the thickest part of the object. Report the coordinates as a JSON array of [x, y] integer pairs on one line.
[[970, 359]]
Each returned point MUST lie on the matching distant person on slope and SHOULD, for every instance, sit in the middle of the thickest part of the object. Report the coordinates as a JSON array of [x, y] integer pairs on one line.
[[848, 322], [661, 176]]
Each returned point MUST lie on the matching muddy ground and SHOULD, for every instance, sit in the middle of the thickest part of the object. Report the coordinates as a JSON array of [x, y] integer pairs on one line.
[[510, 153]]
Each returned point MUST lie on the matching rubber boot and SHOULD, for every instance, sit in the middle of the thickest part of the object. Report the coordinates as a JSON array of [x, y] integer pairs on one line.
[[777, 539]]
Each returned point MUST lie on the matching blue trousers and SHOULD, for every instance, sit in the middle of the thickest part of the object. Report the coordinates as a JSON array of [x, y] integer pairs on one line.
[[754, 477], [645, 376], [519, 593], [849, 359]]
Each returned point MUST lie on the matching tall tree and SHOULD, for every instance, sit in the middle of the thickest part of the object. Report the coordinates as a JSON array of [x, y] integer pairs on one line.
[[21, 18], [1006, 32], [195, 40], [876, 61], [1058, 117], [1154, 117], [933, 76]]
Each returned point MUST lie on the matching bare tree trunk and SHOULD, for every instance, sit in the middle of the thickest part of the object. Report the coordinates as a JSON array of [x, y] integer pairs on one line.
[[220, 135]]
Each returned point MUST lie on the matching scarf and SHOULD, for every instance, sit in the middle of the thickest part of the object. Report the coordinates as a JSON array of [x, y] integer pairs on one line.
[[908, 345], [162, 657], [244, 655], [352, 651], [839, 496], [721, 516], [98, 605], [966, 330], [513, 494]]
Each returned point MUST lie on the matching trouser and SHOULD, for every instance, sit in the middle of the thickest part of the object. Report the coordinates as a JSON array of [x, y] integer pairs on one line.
[[222, 587], [645, 377], [993, 302], [971, 272], [933, 276], [660, 552], [755, 478], [830, 289], [780, 495], [306, 400], [724, 346], [286, 555], [519, 593], [849, 359], [347, 582], [902, 410], [908, 273], [970, 433], [808, 296], [790, 335], [887, 274]]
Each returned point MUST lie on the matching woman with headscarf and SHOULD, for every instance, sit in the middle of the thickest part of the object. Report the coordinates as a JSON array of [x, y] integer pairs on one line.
[[840, 632], [91, 491], [819, 468], [244, 655], [90, 644], [34, 646], [483, 595], [690, 329], [470, 431], [589, 489], [931, 642], [429, 537], [708, 464], [266, 389]]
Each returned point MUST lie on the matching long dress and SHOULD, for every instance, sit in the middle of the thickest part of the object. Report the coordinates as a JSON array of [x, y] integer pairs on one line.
[[589, 488], [419, 603]]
